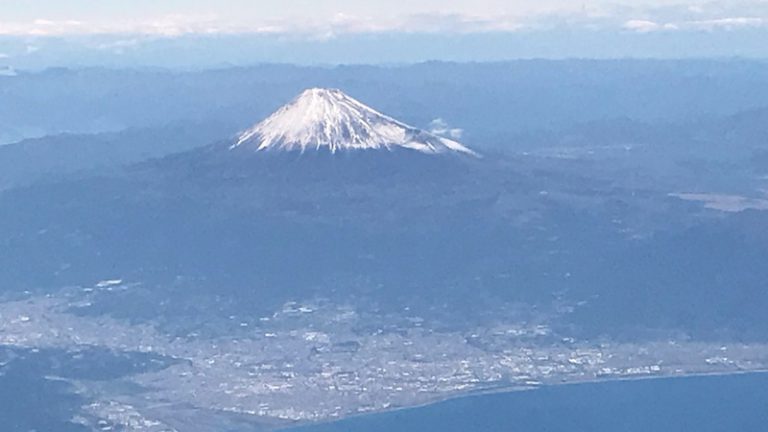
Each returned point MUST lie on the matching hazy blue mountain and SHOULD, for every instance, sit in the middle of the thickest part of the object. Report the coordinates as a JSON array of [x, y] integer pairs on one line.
[[490, 101], [54, 156]]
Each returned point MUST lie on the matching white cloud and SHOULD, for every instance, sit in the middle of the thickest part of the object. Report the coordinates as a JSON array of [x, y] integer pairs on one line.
[[338, 24], [728, 23], [646, 26], [169, 25], [695, 15], [642, 26], [441, 128], [42, 27], [422, 16], [119, 46]]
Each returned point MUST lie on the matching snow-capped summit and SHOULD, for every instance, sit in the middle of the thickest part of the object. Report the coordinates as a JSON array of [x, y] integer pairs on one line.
[[328, 119]]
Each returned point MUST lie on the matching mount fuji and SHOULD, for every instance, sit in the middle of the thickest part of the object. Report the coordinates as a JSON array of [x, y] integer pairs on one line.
[[329, 120]]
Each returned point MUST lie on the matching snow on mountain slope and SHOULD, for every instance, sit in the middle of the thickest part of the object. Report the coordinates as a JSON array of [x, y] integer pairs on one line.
[[328, 119]]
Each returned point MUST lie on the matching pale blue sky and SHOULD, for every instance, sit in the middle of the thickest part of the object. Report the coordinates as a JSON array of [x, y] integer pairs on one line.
[[328, 18]]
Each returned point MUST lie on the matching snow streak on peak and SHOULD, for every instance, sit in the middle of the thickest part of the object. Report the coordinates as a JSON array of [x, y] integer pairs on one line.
[[328, 119]]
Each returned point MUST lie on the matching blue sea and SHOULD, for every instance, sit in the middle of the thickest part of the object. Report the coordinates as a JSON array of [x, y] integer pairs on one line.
[[733, 403]]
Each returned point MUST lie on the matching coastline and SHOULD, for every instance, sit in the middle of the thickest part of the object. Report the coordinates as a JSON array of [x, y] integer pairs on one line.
[[518, 389]]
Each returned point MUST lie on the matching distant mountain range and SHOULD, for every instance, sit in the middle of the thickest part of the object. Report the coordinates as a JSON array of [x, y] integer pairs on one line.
[[491, 101]]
